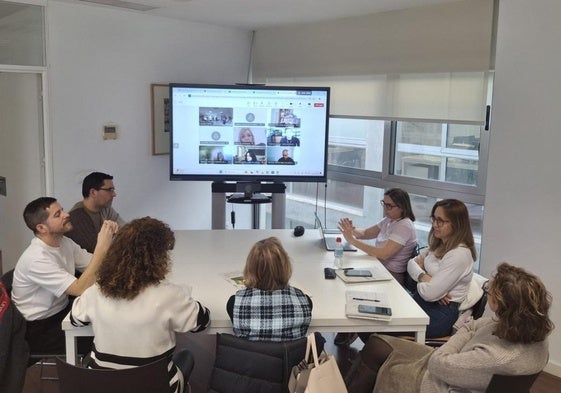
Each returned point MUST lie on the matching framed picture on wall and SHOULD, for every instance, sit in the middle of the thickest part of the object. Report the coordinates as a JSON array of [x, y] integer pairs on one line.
[[161, 121]]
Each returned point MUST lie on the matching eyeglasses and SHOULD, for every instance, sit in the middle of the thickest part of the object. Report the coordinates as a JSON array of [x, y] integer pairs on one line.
[[388, 206], [438, 221], [110, 189]]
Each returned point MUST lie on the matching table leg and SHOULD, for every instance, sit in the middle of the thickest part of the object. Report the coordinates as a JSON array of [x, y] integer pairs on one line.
[[420, 336], [70, 348]]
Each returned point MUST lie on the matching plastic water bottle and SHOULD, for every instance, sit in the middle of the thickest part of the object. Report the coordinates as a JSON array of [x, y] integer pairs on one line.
[[338, 253]]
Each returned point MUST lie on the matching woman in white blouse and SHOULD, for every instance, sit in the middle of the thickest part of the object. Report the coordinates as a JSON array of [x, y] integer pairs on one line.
[[444, 272]]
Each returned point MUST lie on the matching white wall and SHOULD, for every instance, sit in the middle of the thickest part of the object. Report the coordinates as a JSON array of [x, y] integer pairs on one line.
[[101, 62], [522, 222]]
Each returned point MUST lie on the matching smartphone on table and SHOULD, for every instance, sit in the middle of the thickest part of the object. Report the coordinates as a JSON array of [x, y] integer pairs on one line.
[[358, 273], [364, 308]]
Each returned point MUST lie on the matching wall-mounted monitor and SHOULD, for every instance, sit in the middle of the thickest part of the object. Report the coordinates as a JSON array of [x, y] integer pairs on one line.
[[248, 133]]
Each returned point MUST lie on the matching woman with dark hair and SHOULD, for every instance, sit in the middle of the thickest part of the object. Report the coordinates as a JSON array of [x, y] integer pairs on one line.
[[444, 272], [250, 157], [133, 310], [269, 309], [395, 235], [396, 239], [512, 342]]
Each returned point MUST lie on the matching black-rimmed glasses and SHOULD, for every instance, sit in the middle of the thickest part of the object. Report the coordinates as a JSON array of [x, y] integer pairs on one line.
[[438, 221], [388, 206]]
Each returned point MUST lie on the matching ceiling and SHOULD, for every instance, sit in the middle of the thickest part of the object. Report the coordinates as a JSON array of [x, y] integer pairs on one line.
[[254, 14]]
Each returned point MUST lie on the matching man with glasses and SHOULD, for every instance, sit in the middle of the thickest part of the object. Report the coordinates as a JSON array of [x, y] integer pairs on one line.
[[88, 215]]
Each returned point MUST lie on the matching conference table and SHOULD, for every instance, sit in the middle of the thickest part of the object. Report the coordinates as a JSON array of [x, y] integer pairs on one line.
[[205, 260]]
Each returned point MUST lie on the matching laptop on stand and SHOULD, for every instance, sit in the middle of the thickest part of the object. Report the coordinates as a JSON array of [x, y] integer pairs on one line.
[[329, 237]]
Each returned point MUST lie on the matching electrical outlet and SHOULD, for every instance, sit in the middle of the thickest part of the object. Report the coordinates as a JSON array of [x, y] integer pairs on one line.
[[109, 132]]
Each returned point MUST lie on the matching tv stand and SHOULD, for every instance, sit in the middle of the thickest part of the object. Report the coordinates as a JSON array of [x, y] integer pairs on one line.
[[252, 198], [248, 193]]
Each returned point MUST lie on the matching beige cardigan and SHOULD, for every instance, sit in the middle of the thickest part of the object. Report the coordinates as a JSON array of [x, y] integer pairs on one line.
[[465, 363]]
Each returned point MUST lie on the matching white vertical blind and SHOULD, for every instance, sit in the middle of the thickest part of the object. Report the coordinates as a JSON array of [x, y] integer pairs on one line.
[[426, 62], [448, 97]]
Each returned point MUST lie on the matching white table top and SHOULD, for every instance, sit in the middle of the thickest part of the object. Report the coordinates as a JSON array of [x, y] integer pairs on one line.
[[202, 258]]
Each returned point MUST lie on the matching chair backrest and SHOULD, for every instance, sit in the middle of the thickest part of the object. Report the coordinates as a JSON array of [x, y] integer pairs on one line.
[[409, 283], [8, 279], [511, 383], [479, 308], [15, 351], [255, 366], [149, 378]]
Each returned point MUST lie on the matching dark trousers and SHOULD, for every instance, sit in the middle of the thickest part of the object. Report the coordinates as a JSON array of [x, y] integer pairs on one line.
[[442, 317], [362, 375], [45, 336]]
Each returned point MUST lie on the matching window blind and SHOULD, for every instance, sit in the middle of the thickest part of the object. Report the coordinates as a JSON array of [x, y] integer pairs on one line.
[[428, 62]]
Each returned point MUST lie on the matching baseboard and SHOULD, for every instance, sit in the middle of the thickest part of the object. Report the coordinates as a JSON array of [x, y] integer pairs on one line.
[[553, 369]]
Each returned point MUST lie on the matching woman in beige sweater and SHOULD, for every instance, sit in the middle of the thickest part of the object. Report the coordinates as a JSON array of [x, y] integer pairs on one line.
[[513, 342]]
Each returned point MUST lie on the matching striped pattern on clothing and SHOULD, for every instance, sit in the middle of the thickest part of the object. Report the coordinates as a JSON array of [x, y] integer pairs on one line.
[[129, 333], [102, 360]]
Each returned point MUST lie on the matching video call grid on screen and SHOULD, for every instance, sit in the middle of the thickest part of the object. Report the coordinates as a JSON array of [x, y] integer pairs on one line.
[[232, 132]]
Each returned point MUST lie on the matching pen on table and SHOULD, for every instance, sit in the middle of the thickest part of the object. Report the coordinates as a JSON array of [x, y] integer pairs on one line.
[[368, 300]]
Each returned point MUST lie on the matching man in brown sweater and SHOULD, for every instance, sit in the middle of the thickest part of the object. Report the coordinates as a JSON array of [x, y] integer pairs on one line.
[[88, 215]]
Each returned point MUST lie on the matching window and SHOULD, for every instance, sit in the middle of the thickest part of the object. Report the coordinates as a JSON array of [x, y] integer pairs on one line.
[[420, 132], [430, 160], [23, 34], [442, 152]]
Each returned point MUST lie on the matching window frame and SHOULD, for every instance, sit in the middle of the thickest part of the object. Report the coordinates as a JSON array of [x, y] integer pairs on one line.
[[387, 179]]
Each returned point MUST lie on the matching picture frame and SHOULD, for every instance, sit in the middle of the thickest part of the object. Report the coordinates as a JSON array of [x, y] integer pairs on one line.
[[161, 121]]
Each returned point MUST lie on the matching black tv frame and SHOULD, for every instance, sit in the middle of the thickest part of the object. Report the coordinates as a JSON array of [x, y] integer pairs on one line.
[[228, 177]]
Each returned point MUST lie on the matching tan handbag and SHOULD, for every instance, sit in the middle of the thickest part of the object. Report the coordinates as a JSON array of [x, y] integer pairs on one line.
[[322, 375]]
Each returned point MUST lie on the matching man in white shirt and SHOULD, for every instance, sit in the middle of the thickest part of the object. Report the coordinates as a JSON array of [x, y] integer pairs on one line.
[[44, 274]]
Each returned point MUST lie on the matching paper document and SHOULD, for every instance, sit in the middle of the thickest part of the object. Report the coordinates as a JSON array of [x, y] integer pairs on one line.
[[367, 305], [235, 278]]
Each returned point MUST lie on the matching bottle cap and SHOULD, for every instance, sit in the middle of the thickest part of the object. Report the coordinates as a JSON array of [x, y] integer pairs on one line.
[[338, 240]]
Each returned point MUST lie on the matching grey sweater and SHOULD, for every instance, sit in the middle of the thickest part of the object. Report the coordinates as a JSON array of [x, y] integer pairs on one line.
[[464, 364], [471, 357], [86, 225]]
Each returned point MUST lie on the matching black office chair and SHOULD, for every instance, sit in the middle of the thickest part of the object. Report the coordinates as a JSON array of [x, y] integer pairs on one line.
[[14, 351], [511, 383], [34, 358], [409, 284], [262, 366], [149, 378]]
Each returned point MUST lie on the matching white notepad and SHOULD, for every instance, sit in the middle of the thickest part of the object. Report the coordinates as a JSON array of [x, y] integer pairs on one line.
[[378, 274], [354, 299]]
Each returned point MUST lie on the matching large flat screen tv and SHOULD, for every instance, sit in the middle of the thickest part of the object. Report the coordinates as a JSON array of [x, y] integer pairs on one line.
[[248, 133]]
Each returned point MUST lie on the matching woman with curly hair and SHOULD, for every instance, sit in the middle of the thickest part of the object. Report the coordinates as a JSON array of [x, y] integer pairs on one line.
[[133, 310], [512, 342], [269, 309]]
